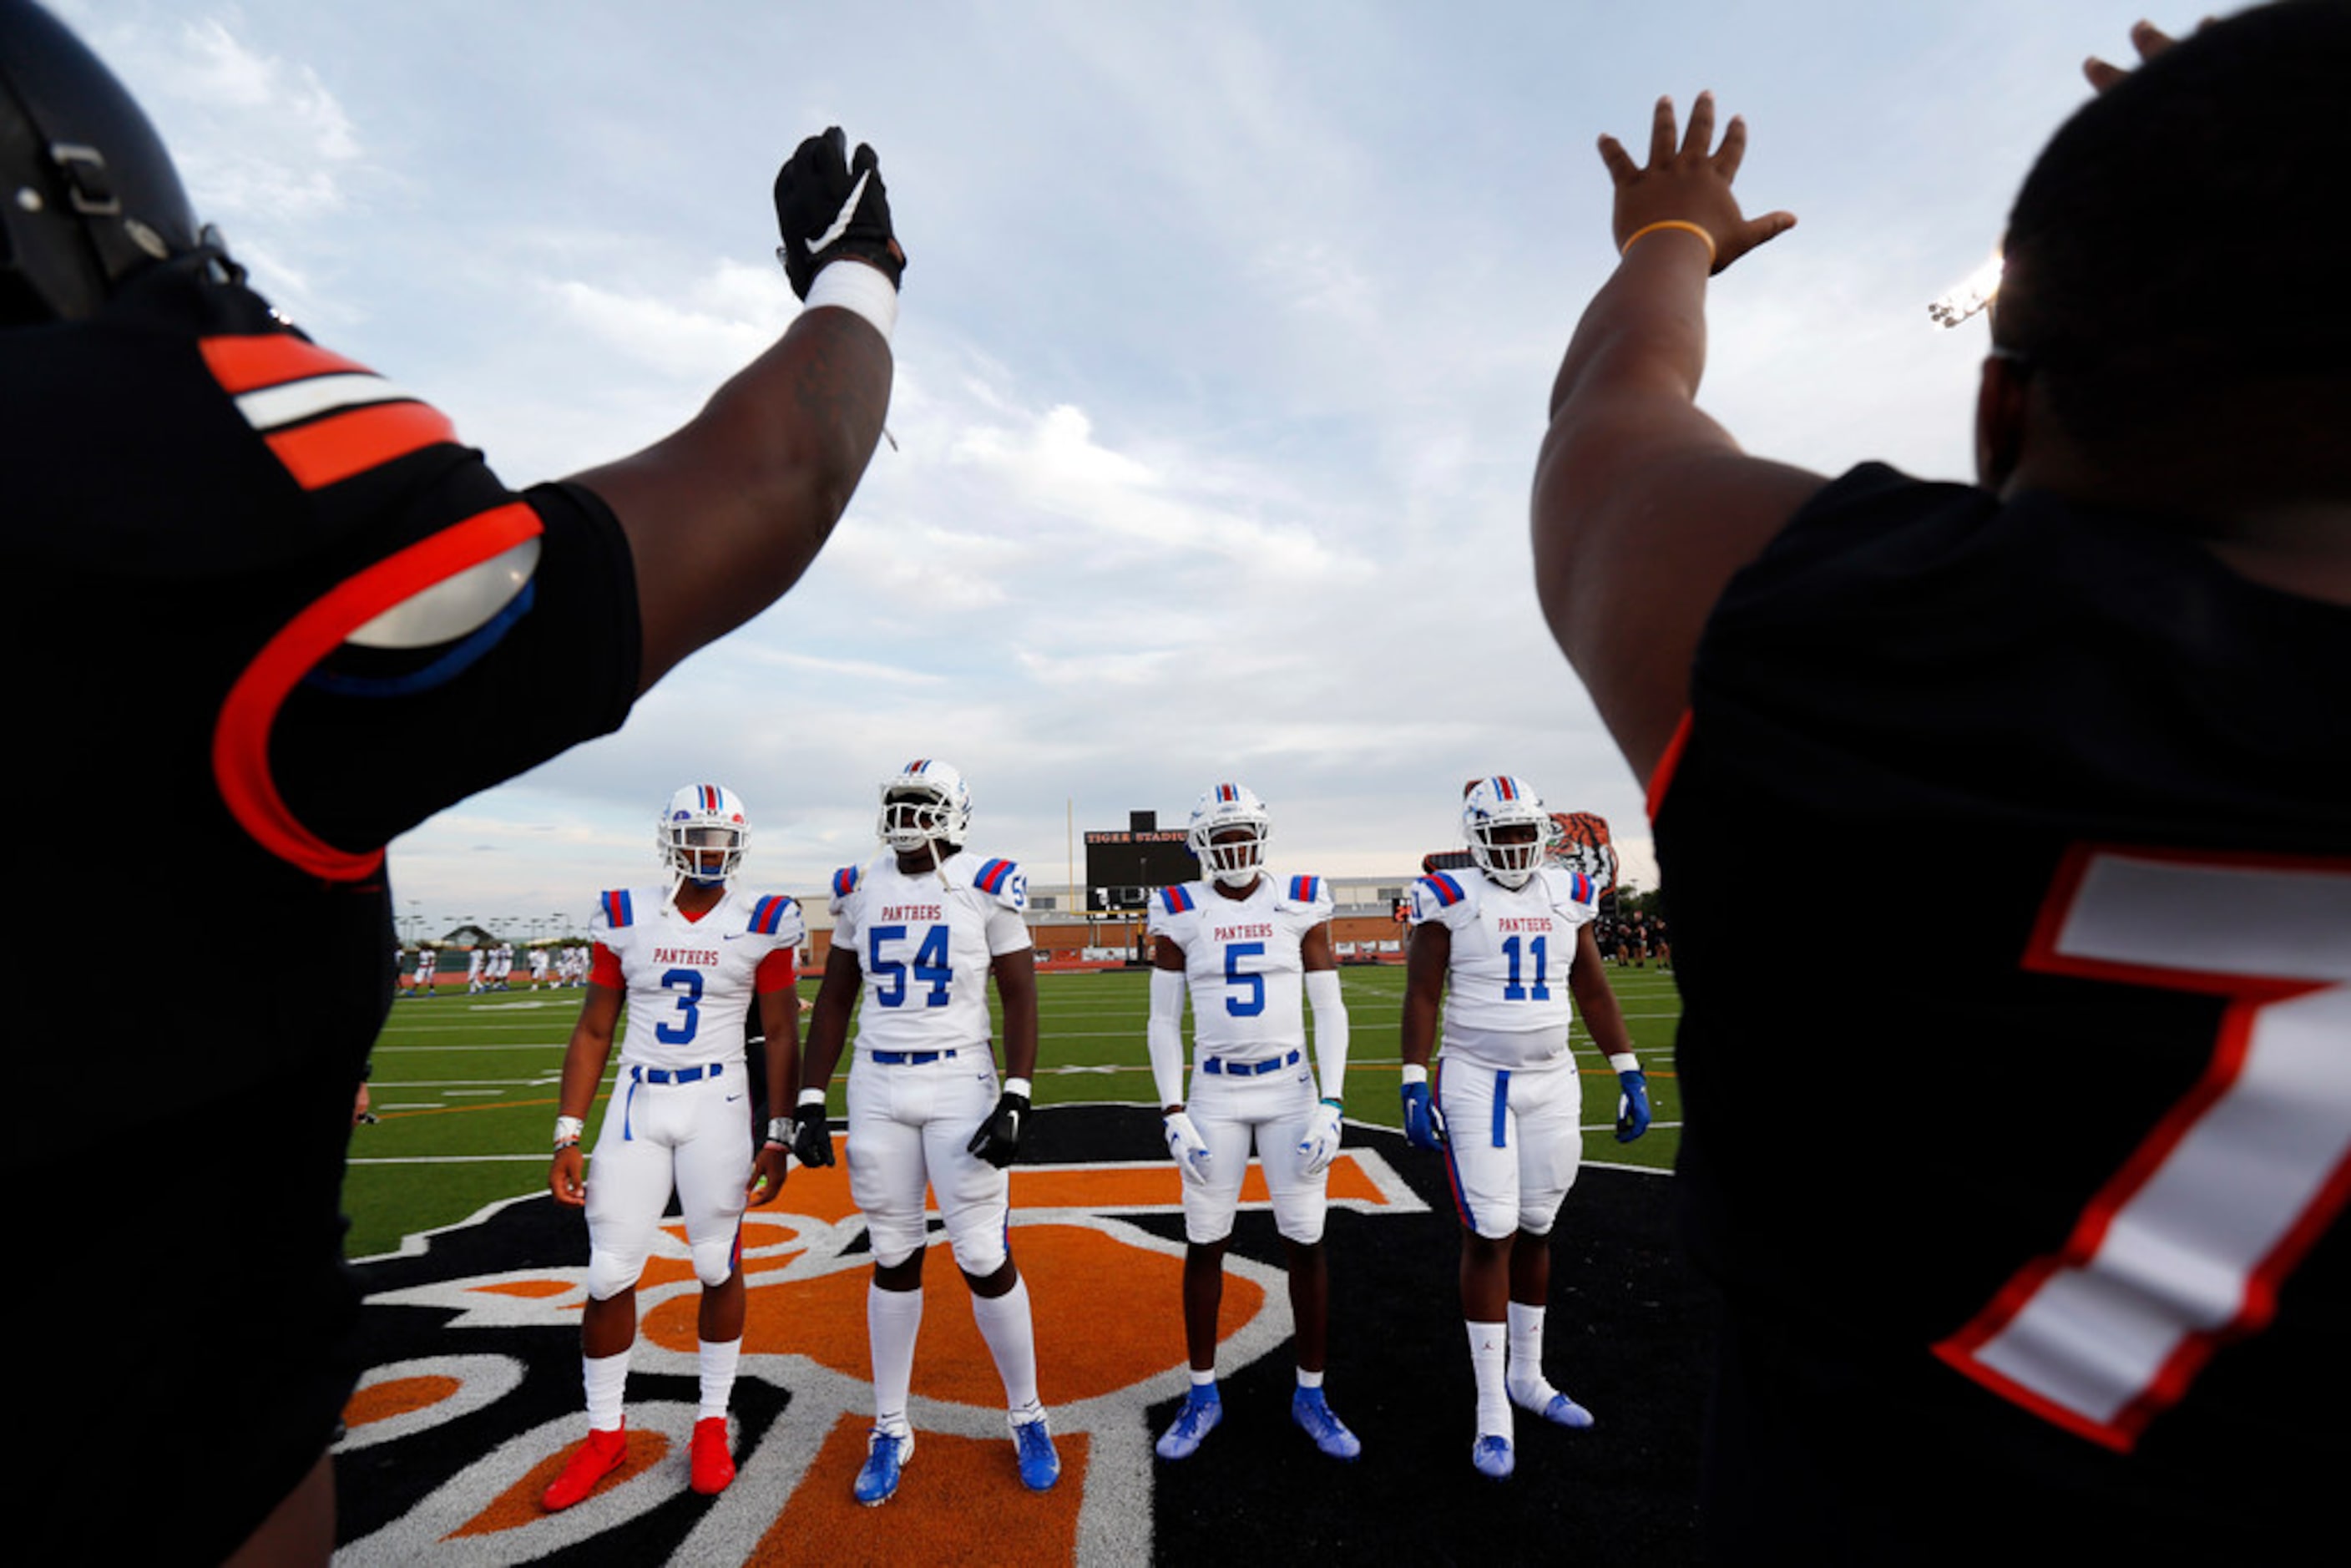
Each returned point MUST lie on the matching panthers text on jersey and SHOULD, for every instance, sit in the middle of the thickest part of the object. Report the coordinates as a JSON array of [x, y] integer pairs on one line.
[[1241, 959], [1505, 996], [690, 980], [926, 941]]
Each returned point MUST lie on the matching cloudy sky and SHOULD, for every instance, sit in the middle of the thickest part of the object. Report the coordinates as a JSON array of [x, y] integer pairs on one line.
[[1223, 362]]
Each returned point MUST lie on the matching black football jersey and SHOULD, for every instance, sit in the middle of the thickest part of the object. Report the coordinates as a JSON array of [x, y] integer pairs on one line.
[[2035, 1176]]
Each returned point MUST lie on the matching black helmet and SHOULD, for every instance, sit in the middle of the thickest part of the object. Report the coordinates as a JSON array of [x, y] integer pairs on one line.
[[88, 195]]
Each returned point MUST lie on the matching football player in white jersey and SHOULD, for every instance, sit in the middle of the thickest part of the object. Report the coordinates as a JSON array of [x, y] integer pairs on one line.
[[538, 968], [1252, 949], [920, 931], [426, 961], [689, 957], [476, 959], [1506, 949]]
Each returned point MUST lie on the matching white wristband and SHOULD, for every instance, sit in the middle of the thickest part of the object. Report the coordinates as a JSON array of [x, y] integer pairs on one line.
[[811, 1097], [568, 1129], [1412, 1074], [1624, 1061], [1016, 1086], [861, 290]]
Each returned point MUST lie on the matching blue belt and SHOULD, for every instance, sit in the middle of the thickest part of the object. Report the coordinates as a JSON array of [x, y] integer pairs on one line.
[[909, 1057], [676, 1075], [1232, 1068]]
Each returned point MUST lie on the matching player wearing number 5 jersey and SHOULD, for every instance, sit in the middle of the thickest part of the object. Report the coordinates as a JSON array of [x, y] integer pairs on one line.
[[920, 932], [689, 957], [1251, 948], [1507, 949]]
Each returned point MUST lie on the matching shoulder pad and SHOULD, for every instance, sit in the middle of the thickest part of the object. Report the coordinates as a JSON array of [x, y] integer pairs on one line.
[[619, 908], [1443, 889], [1306, 889], [845, 881], [1176, 900], [767, 916], [1577, 887]]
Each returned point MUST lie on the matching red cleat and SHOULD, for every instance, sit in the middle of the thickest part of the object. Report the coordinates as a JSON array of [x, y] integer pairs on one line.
[[714, 1467], [594, 1459]]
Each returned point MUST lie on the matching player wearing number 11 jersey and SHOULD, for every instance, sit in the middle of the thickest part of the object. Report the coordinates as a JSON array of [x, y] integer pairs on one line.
[[689, 957], [1507, 950]]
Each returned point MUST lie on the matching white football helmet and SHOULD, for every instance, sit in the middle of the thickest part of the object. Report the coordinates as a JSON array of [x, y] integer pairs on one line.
[[924, 803], [1492, 813], [1215, 815], [701, 834]]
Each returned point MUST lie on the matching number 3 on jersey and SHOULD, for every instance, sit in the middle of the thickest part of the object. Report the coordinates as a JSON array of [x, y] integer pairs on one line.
[[687, 983], [2186, 1247], [930, 966]]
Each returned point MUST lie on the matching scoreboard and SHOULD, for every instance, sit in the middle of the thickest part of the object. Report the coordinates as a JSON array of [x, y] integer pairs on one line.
[[1123, 868]]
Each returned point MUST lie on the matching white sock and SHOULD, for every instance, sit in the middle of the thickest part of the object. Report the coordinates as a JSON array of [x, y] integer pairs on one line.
[[1004, 1324], [892, 1319], [607, 1377], [1527, 1385], [1308, 1379], [1487, 1345], [1203, 1379], [717, 1358]]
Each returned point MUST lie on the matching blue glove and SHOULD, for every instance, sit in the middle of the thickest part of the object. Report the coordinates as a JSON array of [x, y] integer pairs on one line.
[[1632, 1106], [1423, 1123]]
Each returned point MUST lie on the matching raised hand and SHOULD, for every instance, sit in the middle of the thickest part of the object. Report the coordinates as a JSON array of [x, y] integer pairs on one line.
[[1685, 187]]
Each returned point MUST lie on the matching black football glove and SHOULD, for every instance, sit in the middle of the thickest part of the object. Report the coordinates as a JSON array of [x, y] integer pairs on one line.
[[999, 1139], [812, 1132], [829, 205]]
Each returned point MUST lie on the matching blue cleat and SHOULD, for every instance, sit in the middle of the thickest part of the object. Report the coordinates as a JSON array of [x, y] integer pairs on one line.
[[1203, 1408], [1313, 1412], [887, 1454], [1032, 1445], [1556, 1408], [1493, 1457]]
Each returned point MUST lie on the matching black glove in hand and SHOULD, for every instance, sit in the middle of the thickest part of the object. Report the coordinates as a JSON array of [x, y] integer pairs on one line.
[[829, 205], [999, 1139], [812, 1137]]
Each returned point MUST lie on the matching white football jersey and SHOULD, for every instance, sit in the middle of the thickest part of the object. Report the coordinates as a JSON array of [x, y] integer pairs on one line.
[[1512, 950], [690, 982], [1242, 957], [924, 944]]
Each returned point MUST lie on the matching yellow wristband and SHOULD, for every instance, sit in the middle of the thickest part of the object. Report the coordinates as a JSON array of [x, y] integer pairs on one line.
[[1647, 229]]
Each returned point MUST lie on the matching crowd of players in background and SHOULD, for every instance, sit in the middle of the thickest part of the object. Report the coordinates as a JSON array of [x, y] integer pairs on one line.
[[553, 966]]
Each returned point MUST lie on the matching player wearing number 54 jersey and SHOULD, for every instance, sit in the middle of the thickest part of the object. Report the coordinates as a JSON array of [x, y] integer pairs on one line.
[[689, 957], [1250, 948], [920, 932], [1507, 949]]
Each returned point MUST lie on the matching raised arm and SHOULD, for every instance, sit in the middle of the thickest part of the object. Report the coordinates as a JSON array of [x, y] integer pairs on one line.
[[725, 515], [1643, 507]]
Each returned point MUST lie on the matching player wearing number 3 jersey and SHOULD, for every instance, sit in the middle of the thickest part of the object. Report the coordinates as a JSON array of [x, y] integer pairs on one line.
[[1507, 949], [920, 932], [689, 957]]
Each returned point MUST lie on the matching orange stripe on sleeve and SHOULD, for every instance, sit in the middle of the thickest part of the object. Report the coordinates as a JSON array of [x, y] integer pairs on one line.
[[1663, 777], [241, 738], [242, 364], [334, 449]]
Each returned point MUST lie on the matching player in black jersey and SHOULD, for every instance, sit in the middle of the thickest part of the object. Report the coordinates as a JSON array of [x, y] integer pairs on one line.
[[280, 572], [2085, 731]]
